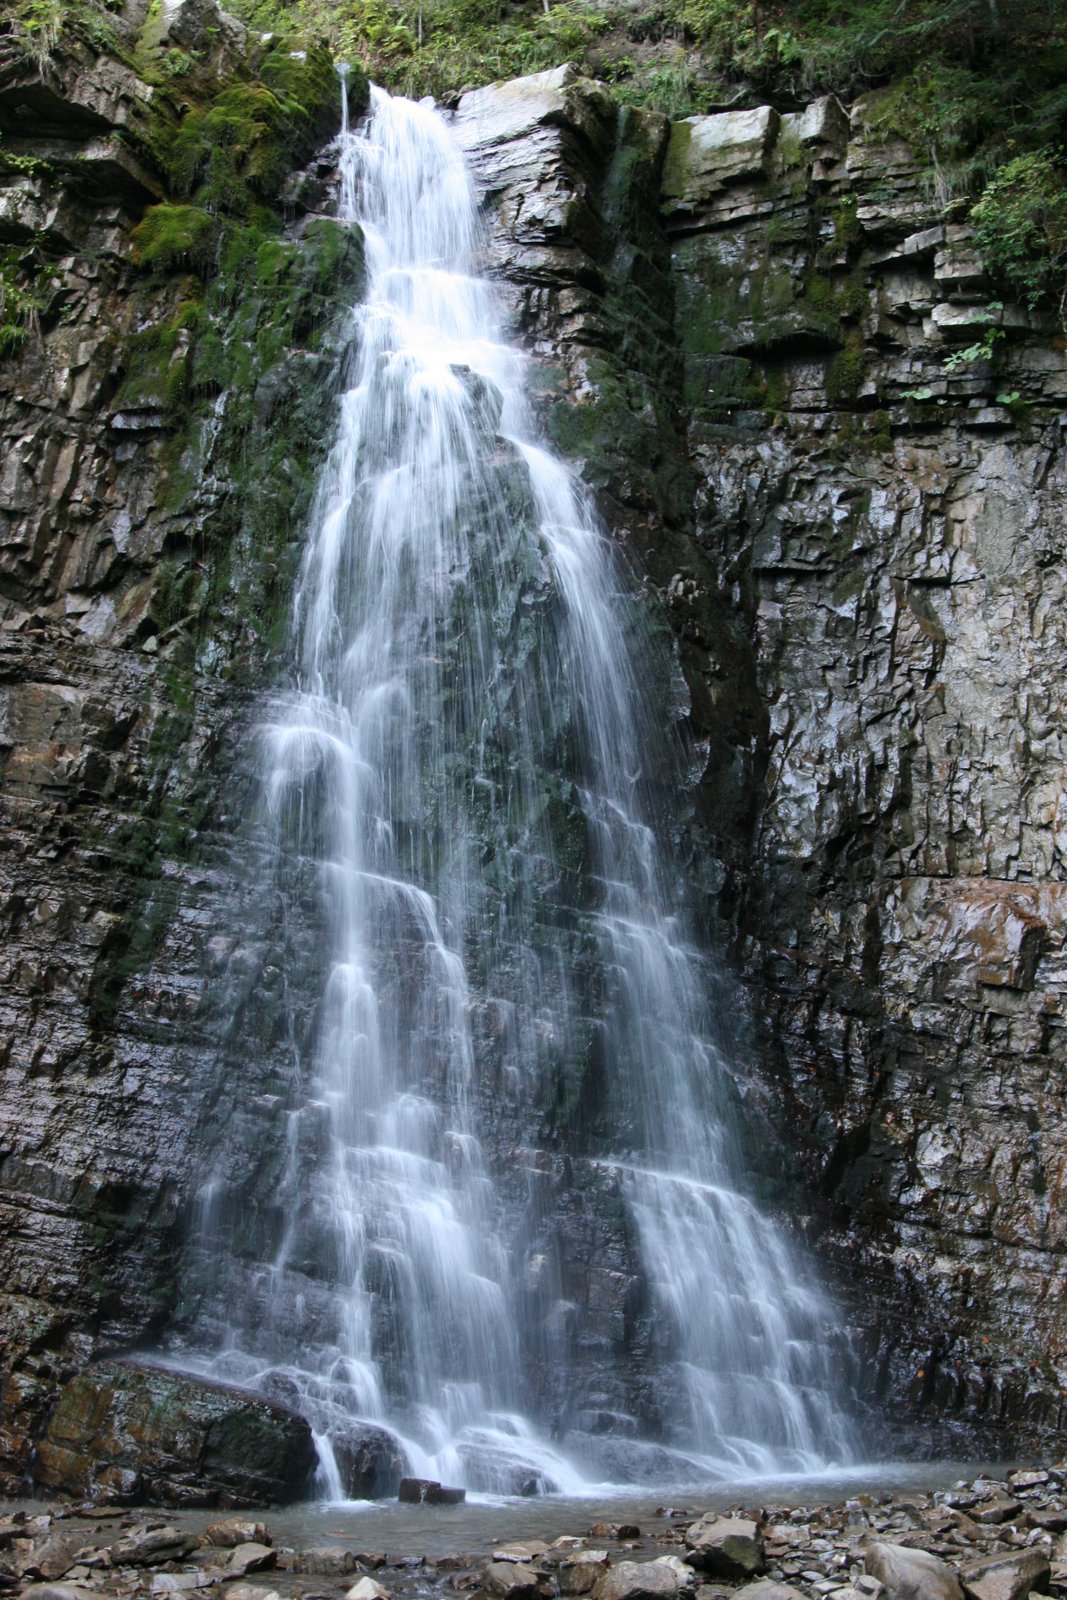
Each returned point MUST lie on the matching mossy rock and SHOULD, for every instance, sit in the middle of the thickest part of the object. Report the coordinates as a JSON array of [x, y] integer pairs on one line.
[[130, 1433]]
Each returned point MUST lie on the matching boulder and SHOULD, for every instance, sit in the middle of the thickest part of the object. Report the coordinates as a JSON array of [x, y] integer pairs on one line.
[[911, 1574], [123, 1432], [510, 1580], [370, 1462], [367, 1589], [416, 1491], [324, 1561], [146, 1547], [251, 1558], [637, 1580], [726, 1547], [233, 1531], [1006, 1577], [521, 1550], [53, 1557], [579, 1573]]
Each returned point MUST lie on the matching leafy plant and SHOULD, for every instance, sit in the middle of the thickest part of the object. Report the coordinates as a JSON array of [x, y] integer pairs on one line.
[[1021, 227], [20, 304]]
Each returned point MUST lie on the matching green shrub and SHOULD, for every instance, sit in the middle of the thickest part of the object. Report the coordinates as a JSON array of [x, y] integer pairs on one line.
[[1021, 227]]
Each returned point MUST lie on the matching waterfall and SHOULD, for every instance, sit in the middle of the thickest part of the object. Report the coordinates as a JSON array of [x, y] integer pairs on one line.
[[469, 782]]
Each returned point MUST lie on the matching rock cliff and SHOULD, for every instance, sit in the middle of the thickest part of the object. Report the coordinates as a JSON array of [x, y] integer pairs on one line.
[[835, 459]]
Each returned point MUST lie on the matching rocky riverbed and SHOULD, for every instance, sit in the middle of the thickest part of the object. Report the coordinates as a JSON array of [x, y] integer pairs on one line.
[[987, 1539]]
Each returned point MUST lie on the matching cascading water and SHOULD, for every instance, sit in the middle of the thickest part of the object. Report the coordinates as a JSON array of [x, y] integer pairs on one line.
[[472, 764]]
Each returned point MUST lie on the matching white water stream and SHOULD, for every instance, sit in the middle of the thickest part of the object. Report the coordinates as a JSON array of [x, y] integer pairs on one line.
[[468, 669]]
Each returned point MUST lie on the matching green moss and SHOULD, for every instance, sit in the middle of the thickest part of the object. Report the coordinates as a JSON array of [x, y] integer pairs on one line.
[[845, 373], [175, 235]]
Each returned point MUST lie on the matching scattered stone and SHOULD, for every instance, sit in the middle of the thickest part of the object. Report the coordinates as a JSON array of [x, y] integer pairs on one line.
[[58, 1591], [54, 1557], [579, 1573], [252, 1558], [367, 1589], [520, 1550], [767, 1589], [144, 1547], [636, 1580], [324, 1561], [237, 1530], [180, 1582], [1006, 1577], [509, 1580], [911, 1574], [249, 1591], [727, 1547], [1001, 1508]]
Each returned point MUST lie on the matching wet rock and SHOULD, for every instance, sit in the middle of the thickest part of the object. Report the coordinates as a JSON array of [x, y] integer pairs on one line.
[[726, 1547], [324, 1561], [911, 1574], [121, 1431], [1006, 1577], [58, 1591], [999, 1508], [54, 1557], [509, 1580], [145, 1547], [252, 1558], [370, 1462], [579, 1573], [524, 1550], [414, 1491], [182, 1582], [367, 1589], [637, 1580], [236, 1530], [768, 1589], [249, 1591]]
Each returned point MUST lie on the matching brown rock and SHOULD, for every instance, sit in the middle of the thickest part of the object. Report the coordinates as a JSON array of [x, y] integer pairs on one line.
[[237, 1530], [1006, 1577]]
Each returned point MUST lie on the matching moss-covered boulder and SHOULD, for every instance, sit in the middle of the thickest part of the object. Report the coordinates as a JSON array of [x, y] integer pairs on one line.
[[125, 1433]]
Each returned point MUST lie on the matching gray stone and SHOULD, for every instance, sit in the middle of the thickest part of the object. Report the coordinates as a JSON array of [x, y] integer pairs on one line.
[[636, 1580], [727, 1547], [768, 1589], [1006, 1577], [510, 1580], [911, 1574], [367, 1589], [252, 1557], [705, 153], [231, 1531]]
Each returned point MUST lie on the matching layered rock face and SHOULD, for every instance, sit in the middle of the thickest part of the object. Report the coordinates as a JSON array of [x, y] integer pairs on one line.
[[739, 326], [840, 462]]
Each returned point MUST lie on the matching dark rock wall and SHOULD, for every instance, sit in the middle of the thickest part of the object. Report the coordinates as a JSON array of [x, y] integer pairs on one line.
[[149, 524], [857, 541], [740, 327]]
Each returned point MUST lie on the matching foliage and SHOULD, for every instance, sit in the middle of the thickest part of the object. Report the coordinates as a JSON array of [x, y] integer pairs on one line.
[[38, 26], [1021, 226], [21, 301]]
